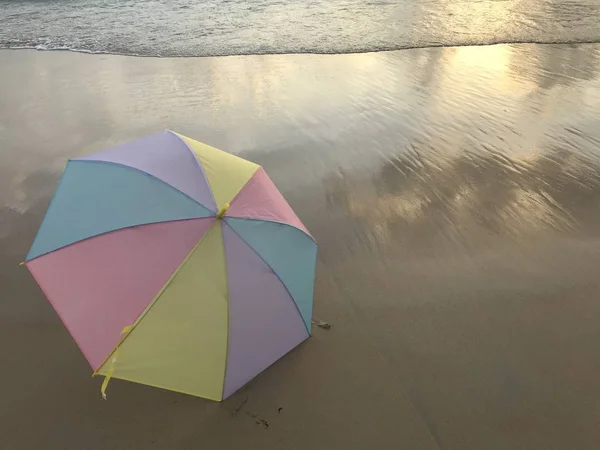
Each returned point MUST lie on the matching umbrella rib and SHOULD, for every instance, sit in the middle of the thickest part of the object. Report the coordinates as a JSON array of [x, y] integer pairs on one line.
[[154, 300], [114, 231], [265, 220], [60, 316], [97, 161], [245, 184], [212, 195], [276, 274], [228, 308], [60, 181], [276, 222]]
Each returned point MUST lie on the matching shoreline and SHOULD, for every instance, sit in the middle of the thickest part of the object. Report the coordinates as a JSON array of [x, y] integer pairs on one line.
[[315, 53]]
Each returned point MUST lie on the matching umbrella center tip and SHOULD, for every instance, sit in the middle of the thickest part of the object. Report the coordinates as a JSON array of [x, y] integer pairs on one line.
[[223, 211]]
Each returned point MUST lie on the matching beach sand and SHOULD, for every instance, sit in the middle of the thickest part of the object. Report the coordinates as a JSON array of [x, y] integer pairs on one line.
[[454, 193]]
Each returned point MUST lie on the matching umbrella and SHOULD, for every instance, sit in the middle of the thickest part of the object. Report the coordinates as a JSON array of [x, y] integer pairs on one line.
[[176, 265]]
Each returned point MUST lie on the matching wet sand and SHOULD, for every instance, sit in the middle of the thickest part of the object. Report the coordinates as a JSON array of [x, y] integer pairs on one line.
[[455, 197]]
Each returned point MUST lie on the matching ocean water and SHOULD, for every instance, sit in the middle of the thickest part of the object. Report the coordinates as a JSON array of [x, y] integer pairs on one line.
[[234, 27]]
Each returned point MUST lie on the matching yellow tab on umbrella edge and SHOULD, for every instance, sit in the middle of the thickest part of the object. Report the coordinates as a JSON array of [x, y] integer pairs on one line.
[[113, 361]]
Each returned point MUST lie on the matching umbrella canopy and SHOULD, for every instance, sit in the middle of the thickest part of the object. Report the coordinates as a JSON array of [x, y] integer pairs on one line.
[[175, 265]]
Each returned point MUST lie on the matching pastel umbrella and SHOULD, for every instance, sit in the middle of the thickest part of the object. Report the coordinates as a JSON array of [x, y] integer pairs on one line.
[[175, 265]]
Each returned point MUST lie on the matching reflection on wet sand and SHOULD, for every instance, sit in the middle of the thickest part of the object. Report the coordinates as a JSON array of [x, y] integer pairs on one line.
[[454, 194], [423, 205]]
